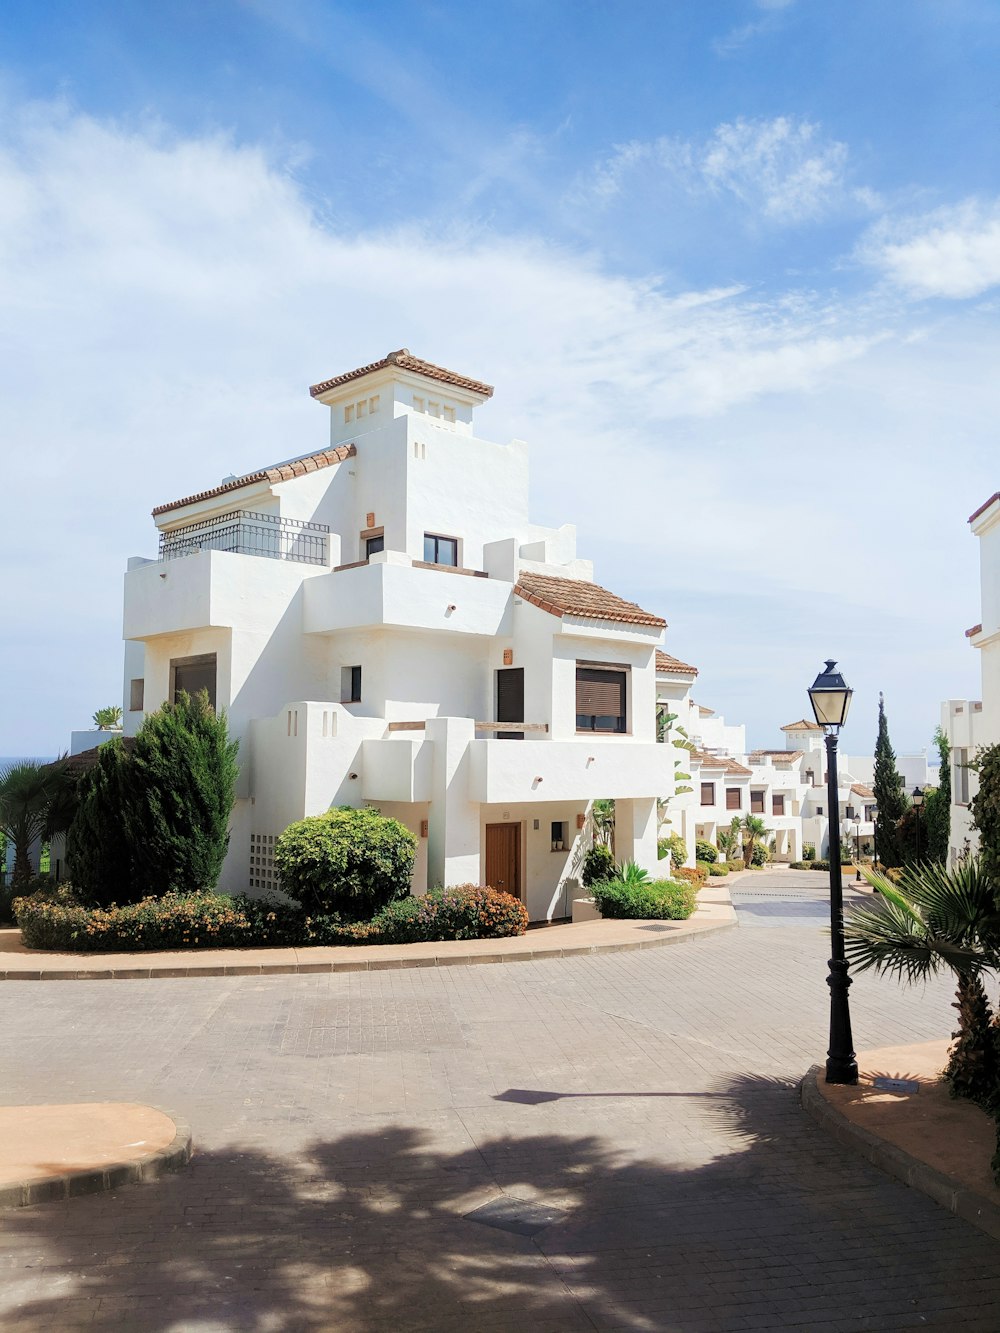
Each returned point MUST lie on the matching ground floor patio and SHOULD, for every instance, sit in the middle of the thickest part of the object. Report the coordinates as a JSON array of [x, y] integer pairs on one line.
[[609, 1142]]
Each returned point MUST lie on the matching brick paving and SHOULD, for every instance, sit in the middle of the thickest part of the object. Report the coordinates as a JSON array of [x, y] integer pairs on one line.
[[634, 1113]]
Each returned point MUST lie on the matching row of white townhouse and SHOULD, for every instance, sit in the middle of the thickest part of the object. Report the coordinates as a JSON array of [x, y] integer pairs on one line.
[[970, 724]]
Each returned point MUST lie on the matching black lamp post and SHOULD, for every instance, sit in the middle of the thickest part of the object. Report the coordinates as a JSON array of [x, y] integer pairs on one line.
[[875, 837], [857, 849], [830, 697], [918, 804]]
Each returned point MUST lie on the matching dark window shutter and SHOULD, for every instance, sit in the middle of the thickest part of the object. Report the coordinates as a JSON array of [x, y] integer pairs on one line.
[[600, 693], [510, 699]]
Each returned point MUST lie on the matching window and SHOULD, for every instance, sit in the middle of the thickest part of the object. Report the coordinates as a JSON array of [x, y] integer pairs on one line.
[[849, 812], [757, 802], [777, 805], [558, 835], [734, 800], [600, 698], [136, 691], [869, 814], [193, 674], [350, 684], [810, 777], [819, 809], [960, 777], [440, 550], [708, 793], [373, 545]]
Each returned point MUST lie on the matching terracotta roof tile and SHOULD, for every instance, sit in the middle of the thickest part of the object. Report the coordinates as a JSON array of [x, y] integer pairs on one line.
[[664, 662], [299, 467], [775, 756], [860, 789], [722, 761], [971, 633], [573, 597], [984, 506], [405, 361], [802, 725]]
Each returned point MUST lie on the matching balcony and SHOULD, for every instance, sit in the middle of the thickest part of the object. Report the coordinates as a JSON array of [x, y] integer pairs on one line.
[[242, 532], [568, 770], [407, 596]]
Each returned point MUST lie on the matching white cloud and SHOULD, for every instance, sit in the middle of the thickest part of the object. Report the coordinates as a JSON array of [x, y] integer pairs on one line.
[[166, 301], [782, 169], [953, 252]]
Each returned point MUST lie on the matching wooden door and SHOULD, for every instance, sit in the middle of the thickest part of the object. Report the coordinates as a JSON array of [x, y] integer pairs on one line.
[[510, 700], [503, 857]]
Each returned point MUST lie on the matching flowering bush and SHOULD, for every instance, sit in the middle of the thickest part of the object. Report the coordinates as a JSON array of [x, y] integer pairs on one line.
[[690, 875], [54, 918]]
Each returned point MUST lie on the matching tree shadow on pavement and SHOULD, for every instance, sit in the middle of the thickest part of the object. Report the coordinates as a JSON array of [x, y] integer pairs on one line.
[[369, 1231]]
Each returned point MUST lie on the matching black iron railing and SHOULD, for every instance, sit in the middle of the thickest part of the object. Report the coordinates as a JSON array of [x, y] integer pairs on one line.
[[247, 533]]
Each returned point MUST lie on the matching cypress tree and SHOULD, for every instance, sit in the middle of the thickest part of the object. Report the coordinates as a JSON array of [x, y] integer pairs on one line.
[[985, 808], [888, 788], [937, 809], [98, 850]]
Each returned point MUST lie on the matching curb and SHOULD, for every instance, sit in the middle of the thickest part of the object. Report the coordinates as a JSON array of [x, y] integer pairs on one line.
[[963, 1202], [132, 973], [101, 1179]]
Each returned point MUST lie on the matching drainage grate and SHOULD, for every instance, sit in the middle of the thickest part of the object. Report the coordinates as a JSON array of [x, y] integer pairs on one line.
[[516, 1215]]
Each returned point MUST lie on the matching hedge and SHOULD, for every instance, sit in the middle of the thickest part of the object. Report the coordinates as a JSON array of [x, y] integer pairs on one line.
[[54, 919], [735, 864], [657, 900], [719, 868]]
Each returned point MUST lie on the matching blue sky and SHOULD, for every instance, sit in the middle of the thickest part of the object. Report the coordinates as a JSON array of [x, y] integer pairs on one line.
[[741, 258]]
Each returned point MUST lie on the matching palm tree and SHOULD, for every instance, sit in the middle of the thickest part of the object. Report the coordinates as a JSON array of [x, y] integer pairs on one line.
[[935, 917], [30, 793], [752, 830]]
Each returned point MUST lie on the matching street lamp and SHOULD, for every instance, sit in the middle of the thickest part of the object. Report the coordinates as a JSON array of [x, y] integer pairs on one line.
[[830, 697], [875, 837], [918, 804], [857, 849]]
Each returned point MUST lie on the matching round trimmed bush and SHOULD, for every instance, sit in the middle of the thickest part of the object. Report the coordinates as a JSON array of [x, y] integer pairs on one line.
[[705, 851], [346, 861], [675, 847]]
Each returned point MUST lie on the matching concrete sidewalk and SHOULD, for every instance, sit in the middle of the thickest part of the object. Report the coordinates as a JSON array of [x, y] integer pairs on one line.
[[919, 1133], [56, 1152], [714, 912]]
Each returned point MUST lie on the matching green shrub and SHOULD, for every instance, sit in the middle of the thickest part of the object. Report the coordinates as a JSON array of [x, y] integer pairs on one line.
[[809, 852], [735, 864], [800, 865], [659, 900], [705, 851], [759, 855], [598, 864], [719, 868], [346, 862], [705, 867], [674, 846], [819, 865]]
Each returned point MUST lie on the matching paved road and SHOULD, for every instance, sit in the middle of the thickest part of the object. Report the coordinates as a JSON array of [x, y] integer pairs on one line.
[[631, 1116]]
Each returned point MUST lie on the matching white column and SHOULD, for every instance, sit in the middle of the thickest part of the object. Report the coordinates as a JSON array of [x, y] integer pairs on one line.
[[453, 820], [635, 832]]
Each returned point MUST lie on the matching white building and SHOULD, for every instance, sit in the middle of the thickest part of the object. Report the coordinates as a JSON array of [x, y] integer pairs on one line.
[[971, 723], [383, 625]]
